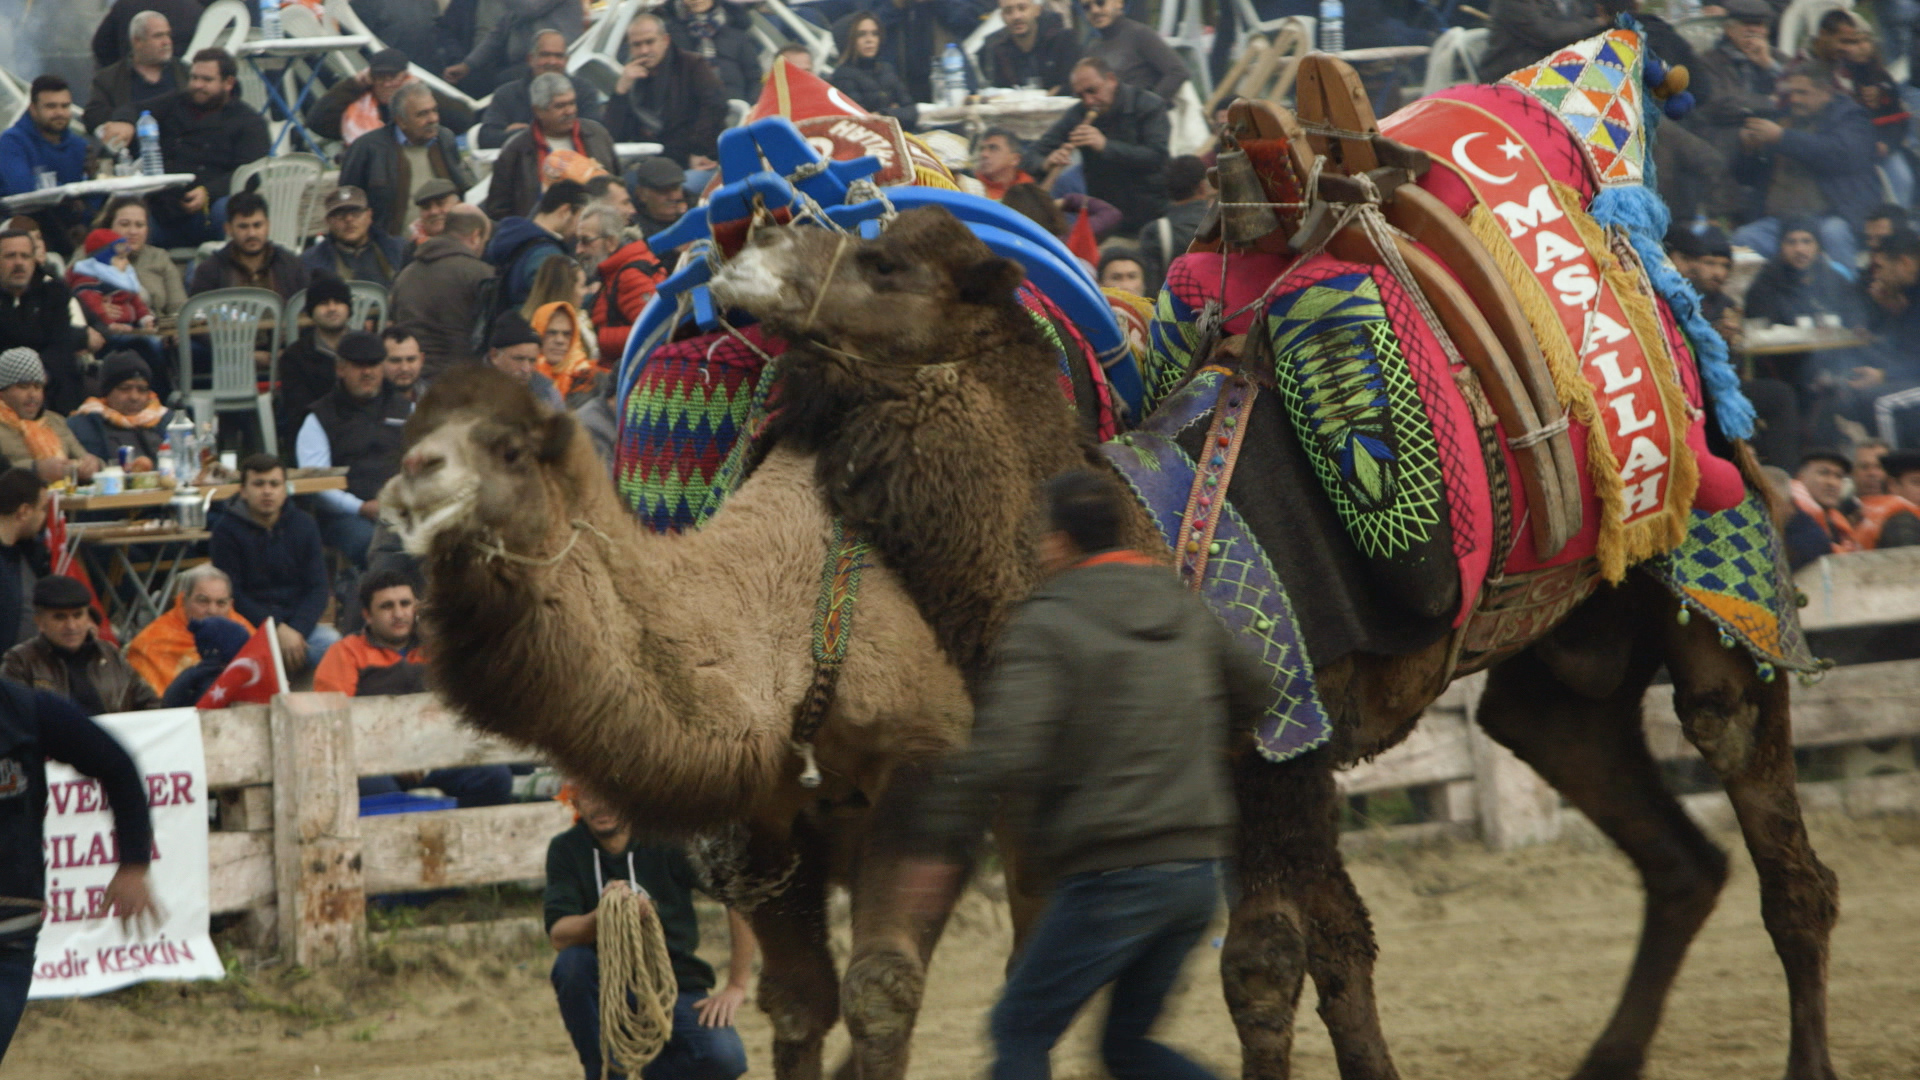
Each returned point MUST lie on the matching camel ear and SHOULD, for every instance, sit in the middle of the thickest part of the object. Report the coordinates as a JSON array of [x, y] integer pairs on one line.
[[555, 435], [989, 281]]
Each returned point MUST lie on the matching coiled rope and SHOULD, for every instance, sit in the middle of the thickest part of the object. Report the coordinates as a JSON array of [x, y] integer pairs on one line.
[[637, 987]]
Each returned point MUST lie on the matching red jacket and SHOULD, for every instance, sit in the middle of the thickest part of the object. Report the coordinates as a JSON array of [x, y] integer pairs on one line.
[[628, 279]]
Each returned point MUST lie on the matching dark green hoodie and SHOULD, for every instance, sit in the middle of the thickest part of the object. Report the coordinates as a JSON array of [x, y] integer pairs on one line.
[[1108, 712]]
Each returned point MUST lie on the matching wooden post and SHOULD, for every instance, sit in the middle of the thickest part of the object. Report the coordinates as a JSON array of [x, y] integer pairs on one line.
[[316, 820], [1516, 807]]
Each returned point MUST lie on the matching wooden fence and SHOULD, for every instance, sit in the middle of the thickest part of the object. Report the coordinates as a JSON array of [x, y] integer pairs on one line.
[[1476, 786], [291, 851]]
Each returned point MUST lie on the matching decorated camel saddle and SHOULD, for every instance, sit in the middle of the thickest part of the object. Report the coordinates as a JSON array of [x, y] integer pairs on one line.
[[695, 381], [1452, 340]]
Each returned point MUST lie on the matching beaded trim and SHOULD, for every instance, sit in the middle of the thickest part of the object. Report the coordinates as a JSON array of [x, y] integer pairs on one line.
[[1210, 479]]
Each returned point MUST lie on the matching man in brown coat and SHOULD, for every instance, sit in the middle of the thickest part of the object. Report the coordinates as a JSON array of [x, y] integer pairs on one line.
[[557, 125], [68, 659], [438, 294]]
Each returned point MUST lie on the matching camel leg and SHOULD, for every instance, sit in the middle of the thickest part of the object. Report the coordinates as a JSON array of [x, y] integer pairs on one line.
[[799, 990], [1593, 751], [1743, 728], [887, 968], [1296, 912]]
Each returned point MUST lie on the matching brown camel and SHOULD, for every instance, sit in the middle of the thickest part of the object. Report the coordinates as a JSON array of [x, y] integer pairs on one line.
[[667, 671], [869, 318]]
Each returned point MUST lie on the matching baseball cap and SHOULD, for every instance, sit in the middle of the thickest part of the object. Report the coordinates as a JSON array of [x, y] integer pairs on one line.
[[346, 197]]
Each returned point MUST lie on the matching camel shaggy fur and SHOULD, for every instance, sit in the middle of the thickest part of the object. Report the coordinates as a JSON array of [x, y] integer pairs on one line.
[[911, 310], [666, 672]]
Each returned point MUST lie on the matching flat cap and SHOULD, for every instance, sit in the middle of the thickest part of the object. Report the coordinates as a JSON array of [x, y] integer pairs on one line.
[[436, 188], [361, 348], [661, 173], [59, 592], [387, 62], [1749, 10]]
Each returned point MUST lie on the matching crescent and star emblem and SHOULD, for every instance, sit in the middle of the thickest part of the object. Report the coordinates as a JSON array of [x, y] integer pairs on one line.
[[1459, 153], [251, 665]]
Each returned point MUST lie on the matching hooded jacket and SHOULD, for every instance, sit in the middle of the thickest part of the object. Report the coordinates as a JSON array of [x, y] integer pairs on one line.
[[1110, 709], [277, 571], [517, 249], [24, 153], [871, 82], [1050, 62], [438, 294], [628, 279]]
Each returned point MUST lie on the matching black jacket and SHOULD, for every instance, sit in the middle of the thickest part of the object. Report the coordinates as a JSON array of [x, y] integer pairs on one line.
[[1050, 62], [324, 115], [1141, 58], [512, 103], [208, 144], [39, 319], [876, 87], [681, 106], [306, 376], [1525, 31], [734, 54], [36, 727], [416, 28], [1110, 708], [278, 572], [512, 37], [113, 89], [364, 436], [1780, 294], [375, 165], [1131, 172], [112, 40]]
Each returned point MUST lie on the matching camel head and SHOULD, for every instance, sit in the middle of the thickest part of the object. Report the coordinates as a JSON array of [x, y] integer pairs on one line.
[[482, 460], [917, 293]]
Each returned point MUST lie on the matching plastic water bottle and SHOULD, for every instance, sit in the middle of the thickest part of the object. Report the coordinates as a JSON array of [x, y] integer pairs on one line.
[[953, 65], [123, 163], [149, 131], [270, 19], [182, 463], [1333, 33]]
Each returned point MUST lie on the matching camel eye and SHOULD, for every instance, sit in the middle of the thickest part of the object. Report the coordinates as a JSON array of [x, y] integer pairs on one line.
[[512, 455], [879, 263]]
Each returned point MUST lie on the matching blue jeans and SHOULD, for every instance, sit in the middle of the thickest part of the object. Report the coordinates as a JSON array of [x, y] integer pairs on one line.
[[1836, 240], [16, 975], [346, 532], [191, 230], [1132, 928], [323, 638], [473, 785], [693, 1053]]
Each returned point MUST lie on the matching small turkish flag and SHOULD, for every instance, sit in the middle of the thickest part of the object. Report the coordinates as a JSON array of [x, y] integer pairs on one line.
[[254, 676]]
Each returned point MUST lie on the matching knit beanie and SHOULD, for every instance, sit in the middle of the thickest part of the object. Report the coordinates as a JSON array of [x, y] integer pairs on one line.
[[21, 365], [120, 366], [328, 288]]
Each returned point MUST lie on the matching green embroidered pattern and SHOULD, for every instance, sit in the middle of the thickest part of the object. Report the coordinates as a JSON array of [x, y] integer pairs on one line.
[[1353, 400], [1732, 569]]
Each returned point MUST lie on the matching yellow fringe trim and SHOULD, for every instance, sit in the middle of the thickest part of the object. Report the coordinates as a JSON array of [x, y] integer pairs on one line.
[[1619, 545], [1562, 362]]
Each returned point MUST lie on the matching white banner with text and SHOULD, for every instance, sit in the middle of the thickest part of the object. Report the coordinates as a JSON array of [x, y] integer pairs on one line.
[[84, 950]]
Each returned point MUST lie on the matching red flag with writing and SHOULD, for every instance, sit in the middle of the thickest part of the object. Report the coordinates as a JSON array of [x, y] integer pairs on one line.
[[254, 675]]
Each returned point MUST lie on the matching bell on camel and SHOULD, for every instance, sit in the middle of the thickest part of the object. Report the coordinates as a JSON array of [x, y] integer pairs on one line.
[[1244, 214]]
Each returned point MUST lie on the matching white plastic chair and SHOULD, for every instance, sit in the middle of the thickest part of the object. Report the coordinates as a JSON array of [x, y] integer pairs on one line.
[[1455, 58], [781, 24], [233, 318], [223, 24], [13, 97], [284, 181], [369, 301]]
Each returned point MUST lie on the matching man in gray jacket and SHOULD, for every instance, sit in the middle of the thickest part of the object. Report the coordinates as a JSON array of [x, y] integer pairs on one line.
[[1110, 712]]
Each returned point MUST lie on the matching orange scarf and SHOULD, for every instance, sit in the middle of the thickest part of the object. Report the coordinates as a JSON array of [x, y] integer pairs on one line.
[[42, 441], [145, 418], [575, 372]]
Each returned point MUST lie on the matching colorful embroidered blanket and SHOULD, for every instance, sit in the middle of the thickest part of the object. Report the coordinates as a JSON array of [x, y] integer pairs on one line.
[[1241, 586], [1732, 568]]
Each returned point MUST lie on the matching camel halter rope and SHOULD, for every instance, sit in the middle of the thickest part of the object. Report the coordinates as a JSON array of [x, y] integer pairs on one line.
[[495, 550], [637, 985]]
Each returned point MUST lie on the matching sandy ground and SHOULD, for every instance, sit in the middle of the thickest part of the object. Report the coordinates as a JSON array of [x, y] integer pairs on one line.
[[1492, 966]]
